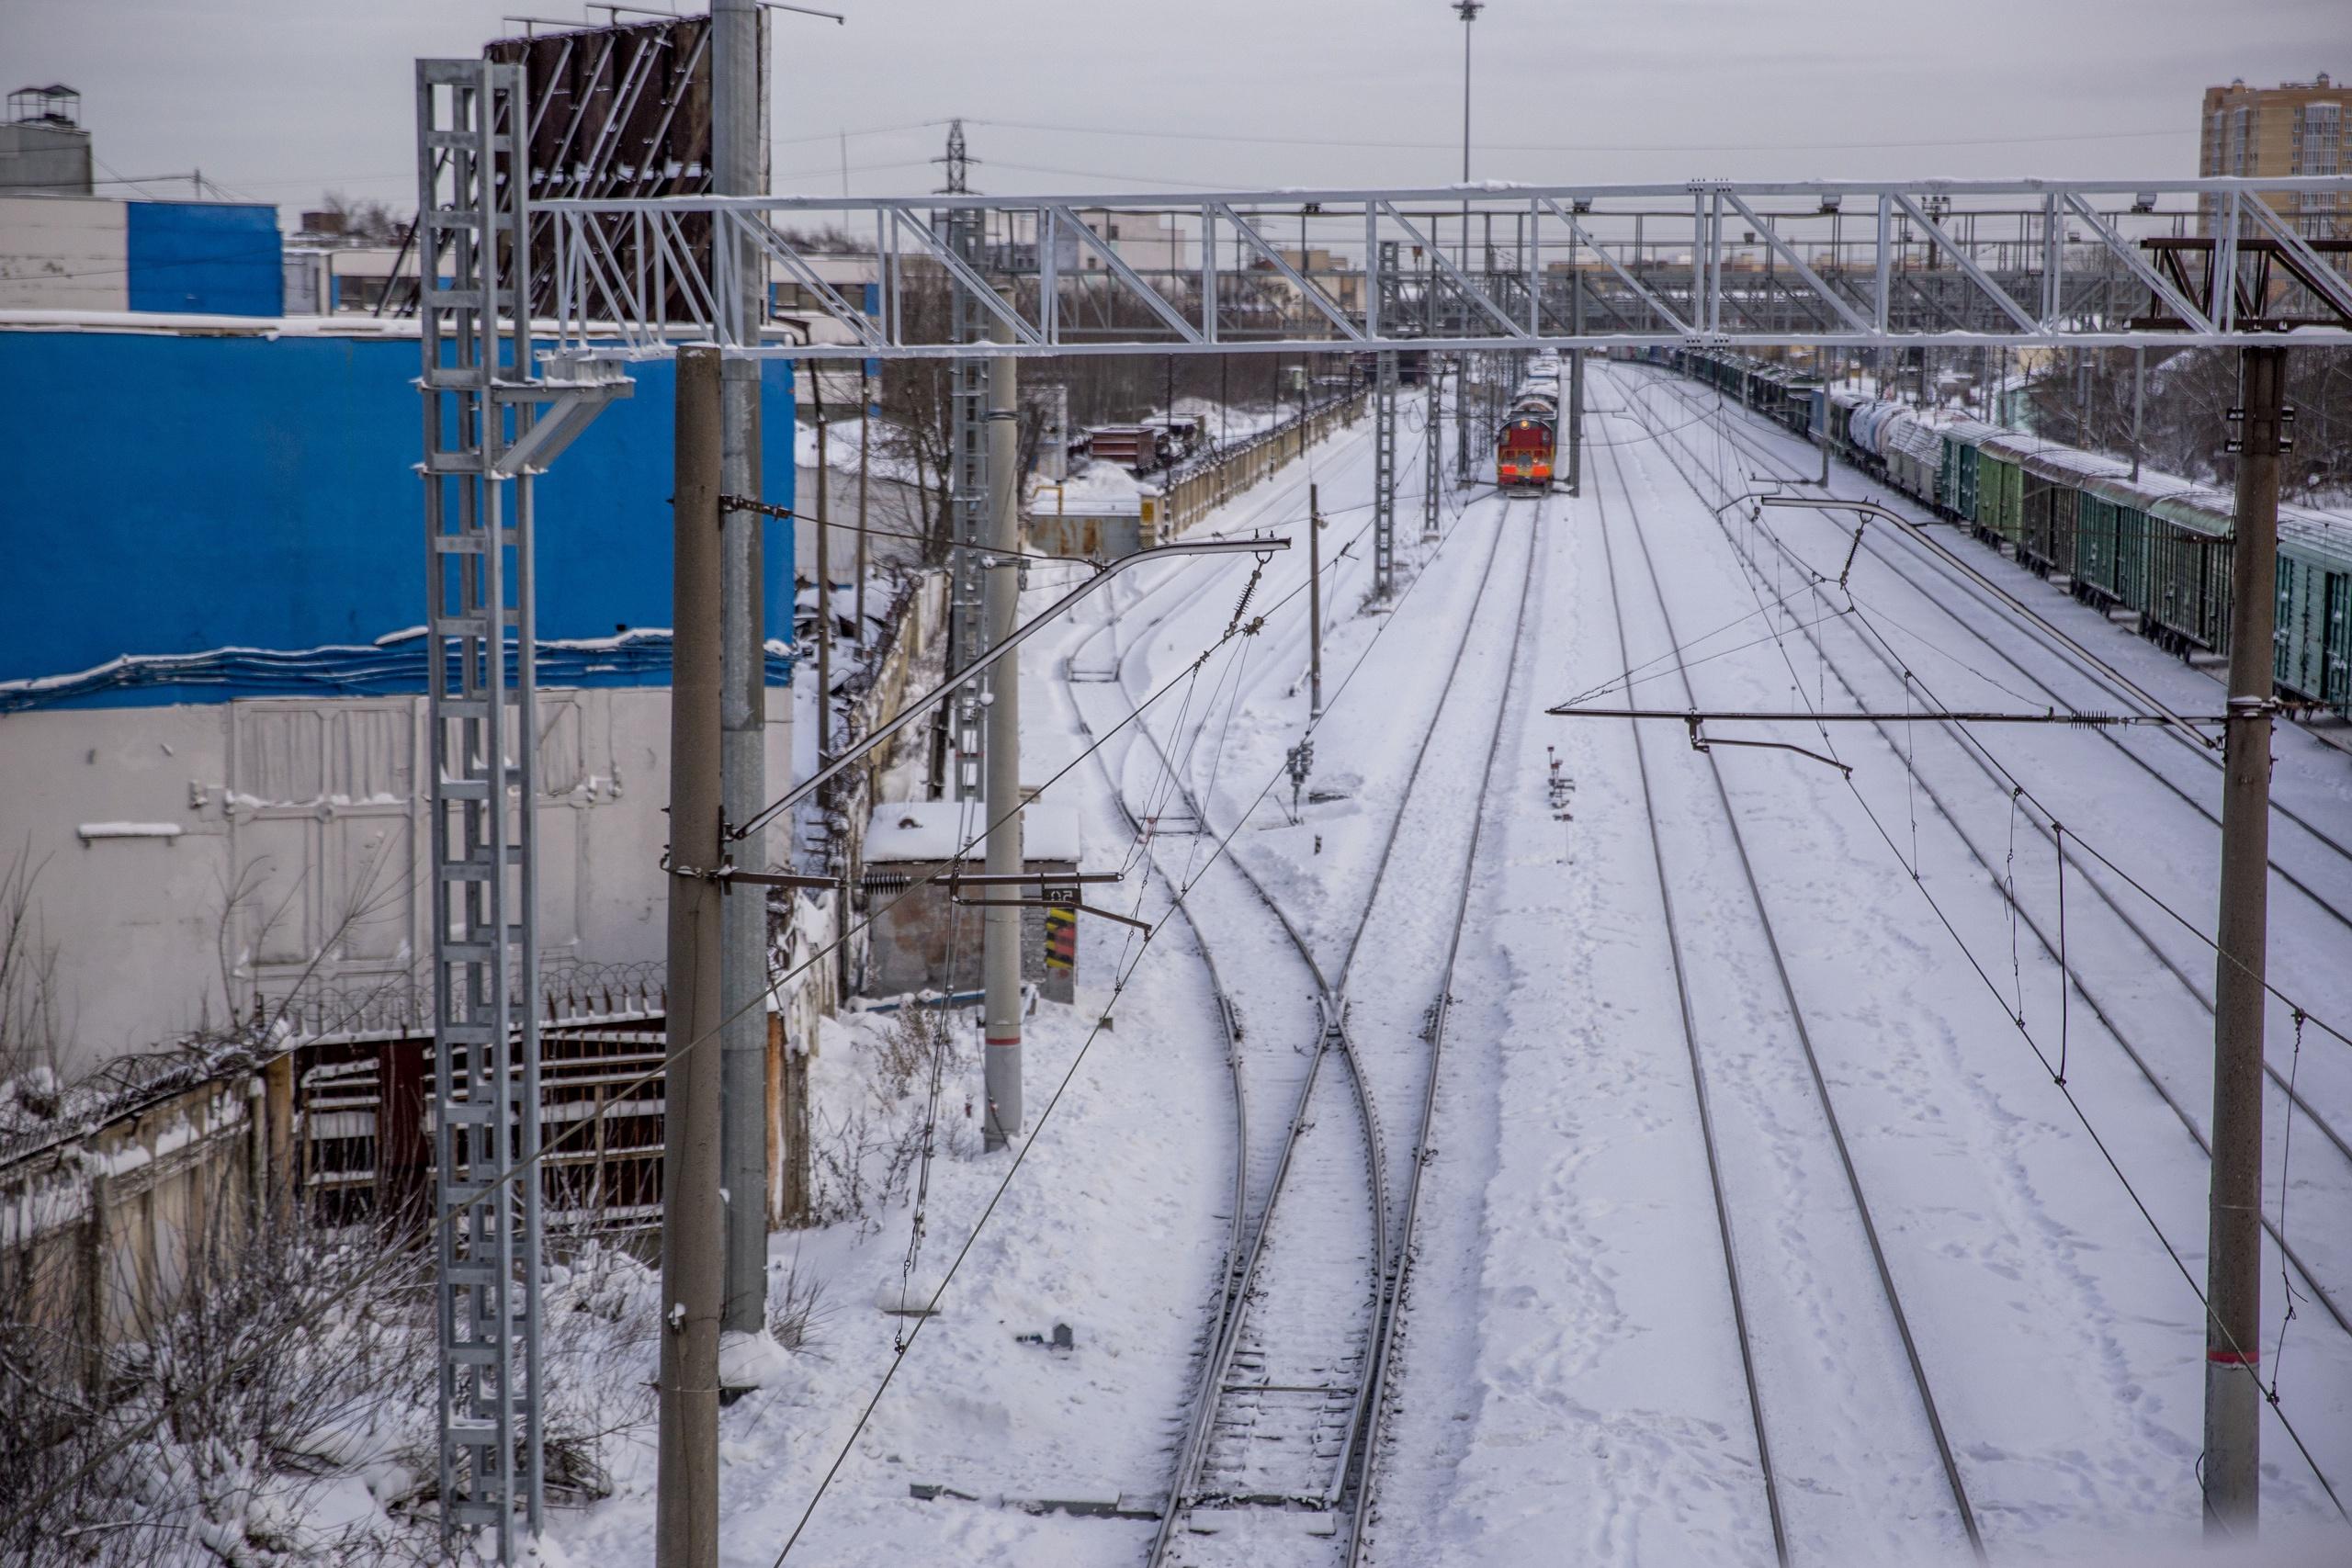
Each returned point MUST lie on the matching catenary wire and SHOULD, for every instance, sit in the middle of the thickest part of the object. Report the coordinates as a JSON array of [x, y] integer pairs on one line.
[[2126, 876], [1217, 853], [2082, 1117]]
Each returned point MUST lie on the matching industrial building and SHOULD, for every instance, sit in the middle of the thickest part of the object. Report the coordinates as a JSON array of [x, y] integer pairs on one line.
[[212, 669]]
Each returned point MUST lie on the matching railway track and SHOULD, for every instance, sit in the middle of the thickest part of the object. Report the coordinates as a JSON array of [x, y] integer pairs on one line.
[[2179, 1091], [1723, 1006], [1277, 1452], [1779, 467]]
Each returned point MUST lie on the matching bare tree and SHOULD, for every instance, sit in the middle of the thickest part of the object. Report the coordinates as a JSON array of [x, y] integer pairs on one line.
[[370, 222], [2083, 397], [29, 1029]]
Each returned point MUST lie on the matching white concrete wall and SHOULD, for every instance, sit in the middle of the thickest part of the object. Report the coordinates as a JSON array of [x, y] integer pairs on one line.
[[63, 252], [301, 849]]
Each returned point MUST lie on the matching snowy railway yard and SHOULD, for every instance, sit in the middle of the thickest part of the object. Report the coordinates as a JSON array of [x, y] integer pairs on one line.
[[1344, 859], [1556, 1143]]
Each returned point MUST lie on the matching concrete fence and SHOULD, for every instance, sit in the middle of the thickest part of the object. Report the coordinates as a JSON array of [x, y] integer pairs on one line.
[[1214, 477], [102, 1221]]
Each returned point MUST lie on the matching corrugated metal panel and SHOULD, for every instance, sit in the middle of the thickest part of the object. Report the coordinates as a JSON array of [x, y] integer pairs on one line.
[[300, 448], [210, 257], [1912, 436], [62, 254]]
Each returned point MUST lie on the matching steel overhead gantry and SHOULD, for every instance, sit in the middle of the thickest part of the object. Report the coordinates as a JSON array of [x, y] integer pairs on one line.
[[1712, 263]]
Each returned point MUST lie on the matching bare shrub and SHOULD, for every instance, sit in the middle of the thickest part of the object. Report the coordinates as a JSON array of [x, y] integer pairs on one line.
[[798, 1312], [214, 1419], [905, 1052], [838, 1151], [602, 1308], [282, 1409], [29, 1025], [862, 1160]]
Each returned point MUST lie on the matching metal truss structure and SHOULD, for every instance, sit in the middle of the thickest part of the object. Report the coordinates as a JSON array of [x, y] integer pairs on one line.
[[1433, 439], [970, 499], [1384, 478], [1386, 284], [489, 425], [1722, 263], [617, 110], [629, 275]]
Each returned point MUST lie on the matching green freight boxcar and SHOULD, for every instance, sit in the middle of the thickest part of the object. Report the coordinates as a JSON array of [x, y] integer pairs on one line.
[[2056, 480], [2112, 542], [2001, 485], [2189, 570], [2157, 544], [2312, 645], [1957, 476], [2000, 488]]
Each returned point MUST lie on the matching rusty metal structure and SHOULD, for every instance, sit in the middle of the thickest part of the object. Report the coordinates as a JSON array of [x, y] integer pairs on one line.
[[613, 113]]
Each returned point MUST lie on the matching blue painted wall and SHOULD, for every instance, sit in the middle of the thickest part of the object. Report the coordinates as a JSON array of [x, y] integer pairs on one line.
[[168, 495], [206, 256]]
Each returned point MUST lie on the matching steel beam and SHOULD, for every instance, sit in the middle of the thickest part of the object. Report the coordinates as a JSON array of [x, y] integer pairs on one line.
[[1995, 260]]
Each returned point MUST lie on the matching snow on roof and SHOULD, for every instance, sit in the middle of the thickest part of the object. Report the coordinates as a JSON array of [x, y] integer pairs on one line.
[[1099, 487], [170, 323], [904, 830], [1913, 436], [2017, 445], [2065, 462]]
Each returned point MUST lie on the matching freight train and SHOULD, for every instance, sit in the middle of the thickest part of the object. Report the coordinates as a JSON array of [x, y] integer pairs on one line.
[[1529, 435], [2155, 549]]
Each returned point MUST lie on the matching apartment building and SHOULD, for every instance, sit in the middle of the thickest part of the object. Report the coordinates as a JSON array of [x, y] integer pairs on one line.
[[2296, 128]]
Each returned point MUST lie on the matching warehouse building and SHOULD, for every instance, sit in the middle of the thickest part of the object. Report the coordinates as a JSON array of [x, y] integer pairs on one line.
[[213, 766]]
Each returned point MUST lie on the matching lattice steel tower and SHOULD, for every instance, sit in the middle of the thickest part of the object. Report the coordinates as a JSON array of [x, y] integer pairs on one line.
[[484, 431], [1383, 450], [481, 726], [971, 504], [969, 500]]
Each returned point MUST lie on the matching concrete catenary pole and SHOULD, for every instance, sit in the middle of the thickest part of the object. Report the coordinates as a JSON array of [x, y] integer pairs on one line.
[[824, 586], [738, 156], [2234, 1255], [1314, 604], [865, 468], [693, 1241], [1000, 931]]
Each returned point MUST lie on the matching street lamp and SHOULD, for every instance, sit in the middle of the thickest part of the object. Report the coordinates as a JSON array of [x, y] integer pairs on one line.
[[1468, 11]]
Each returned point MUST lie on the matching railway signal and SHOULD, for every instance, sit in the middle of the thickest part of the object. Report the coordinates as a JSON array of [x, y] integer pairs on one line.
[[1301, 758]]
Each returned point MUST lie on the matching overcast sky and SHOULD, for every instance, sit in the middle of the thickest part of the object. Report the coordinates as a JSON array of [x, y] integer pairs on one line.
[[281, 100]]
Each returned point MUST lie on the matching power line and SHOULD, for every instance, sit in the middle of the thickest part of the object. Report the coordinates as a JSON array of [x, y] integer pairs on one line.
[[870, 130], [2055, 1071], [615, 1095], [2085, 846], [1217, 853], [1250, 139]]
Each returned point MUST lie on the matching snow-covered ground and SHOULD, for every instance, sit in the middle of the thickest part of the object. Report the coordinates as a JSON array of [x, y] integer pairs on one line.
[[1570, 1383]]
